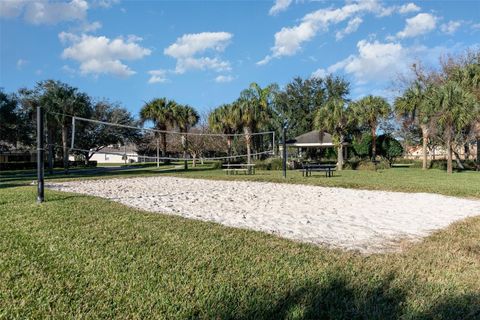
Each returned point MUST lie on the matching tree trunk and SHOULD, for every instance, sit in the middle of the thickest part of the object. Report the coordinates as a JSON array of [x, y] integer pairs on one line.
[[458, 161], [65, 147], [184, 145], [340, 155], [478, 154], [164, 147], [158, 154], [374, 143], [248, 140], [229, 148], [449, 152], [194, 160], [424, 146]]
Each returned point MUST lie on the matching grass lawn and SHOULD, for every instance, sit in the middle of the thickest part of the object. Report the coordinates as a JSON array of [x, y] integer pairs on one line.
[[83, 257]]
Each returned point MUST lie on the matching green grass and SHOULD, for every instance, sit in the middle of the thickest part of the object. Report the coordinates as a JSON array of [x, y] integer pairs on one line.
[[82, 257]]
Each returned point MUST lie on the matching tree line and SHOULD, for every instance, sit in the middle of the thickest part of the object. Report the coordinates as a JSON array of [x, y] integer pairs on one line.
[[437, 107]]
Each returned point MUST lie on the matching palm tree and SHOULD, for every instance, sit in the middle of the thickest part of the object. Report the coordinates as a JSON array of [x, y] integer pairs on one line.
[[455, 111], [414, 107], [184, 118], [254, 106], [334, 117], [61, 102], [368, 111], [160, 112], [227, 120]]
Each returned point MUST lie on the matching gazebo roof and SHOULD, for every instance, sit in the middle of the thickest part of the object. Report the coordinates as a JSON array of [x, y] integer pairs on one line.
[[315, 138]]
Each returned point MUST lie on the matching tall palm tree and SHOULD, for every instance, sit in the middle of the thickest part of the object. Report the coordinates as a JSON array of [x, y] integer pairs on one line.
[[62, 101], [227, 120], [368, 111], [334, 115], [455, 108], [160, 112], [184, 118], [254, 106], [414, 106], [335, 118]]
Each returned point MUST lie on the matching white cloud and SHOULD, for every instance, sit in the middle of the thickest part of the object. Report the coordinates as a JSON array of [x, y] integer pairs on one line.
[[289, 40], [279, 6], [320, 73], [105, 3], [224, 79], [375, 61], [379, 63], [91, 27], [101, 55], [351, 27], [421, 24], [21, 63], [157, 76], [187, 47], [450, 27], [476, 26], [12, 8], [409, 7], [44, 11]]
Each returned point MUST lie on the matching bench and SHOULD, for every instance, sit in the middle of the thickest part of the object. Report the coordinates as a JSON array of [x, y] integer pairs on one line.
[[235, 168], [309, 168]]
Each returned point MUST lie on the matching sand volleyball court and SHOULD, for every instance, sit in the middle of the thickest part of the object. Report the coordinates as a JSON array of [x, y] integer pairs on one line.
[[368, 221]]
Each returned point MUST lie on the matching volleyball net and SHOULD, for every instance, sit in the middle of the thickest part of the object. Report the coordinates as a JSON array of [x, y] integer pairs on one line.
[[107, 142]]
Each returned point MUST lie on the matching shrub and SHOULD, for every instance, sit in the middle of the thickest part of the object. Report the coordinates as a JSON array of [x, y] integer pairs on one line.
[[216, 164], [389, 148], [269, 164]]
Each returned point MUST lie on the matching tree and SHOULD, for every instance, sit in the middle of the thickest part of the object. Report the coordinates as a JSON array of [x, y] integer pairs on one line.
[[296, 104], [9, 120], [93, 137], [160, 112], [61, 101], [227, 120], [369, 111], [334, 116], [389, 148], [414, 107], [457, 109], [254, 106], [184, 117]]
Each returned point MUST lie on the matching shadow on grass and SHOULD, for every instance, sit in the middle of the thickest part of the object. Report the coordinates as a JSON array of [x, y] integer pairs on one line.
[[339, 299]]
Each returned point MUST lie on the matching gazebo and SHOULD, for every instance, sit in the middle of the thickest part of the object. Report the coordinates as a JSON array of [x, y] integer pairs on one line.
[[315, 139]]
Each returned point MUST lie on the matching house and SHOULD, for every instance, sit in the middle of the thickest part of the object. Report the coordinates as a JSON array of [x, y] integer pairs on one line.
[[115, 154]]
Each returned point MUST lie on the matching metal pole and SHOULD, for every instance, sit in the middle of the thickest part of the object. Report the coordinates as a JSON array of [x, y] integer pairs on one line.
[[284, 151], [40, 156]]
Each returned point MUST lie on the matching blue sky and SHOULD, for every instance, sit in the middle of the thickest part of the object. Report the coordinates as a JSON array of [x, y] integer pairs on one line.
[[203, 53]]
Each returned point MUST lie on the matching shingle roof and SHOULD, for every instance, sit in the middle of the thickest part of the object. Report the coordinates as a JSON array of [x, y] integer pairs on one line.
[[313, 137]]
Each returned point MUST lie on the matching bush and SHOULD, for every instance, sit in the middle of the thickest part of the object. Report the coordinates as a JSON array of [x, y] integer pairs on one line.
[[33, 165], [389, 148], [216, 164], [269, 164]]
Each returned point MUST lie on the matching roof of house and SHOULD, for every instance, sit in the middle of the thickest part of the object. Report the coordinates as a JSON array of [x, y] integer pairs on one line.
[[312, 138]]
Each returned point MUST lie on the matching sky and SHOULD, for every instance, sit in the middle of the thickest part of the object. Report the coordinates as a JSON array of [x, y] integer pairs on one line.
[[203, 53]]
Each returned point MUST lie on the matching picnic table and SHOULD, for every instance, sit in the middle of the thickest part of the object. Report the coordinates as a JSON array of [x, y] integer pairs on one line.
[[327, 168], [235, 168]]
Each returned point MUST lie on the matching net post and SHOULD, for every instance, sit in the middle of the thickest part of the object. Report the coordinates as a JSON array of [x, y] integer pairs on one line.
[[40, 156]]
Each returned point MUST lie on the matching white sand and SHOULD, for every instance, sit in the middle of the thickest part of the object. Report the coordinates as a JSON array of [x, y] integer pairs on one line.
[[368, 221]]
